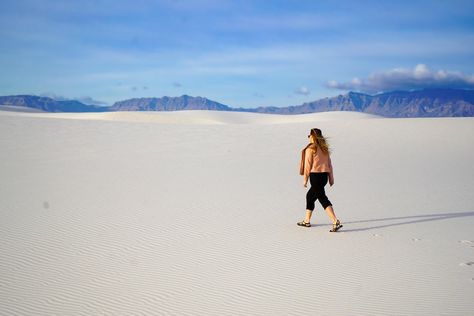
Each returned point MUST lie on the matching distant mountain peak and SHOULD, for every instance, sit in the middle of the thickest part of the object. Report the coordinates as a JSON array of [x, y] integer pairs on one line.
[[184, 102]]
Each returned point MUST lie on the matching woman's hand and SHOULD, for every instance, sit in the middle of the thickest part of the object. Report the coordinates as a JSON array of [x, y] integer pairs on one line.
[[305, 184]]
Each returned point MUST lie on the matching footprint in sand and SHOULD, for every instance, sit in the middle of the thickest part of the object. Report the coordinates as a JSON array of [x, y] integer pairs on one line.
[[466, 264], [466, 242], [415, 239]]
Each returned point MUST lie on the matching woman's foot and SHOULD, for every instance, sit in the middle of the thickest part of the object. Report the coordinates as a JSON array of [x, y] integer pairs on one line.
[[304, 224], [336, 226]]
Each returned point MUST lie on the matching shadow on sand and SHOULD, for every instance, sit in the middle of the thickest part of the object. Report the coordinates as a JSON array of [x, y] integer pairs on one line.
[[406, 220]]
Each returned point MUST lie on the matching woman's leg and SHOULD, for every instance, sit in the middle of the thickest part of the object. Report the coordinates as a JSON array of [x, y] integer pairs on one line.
[[327, 205], [307, 218], [323, 199], [311, 198], [330, 211]]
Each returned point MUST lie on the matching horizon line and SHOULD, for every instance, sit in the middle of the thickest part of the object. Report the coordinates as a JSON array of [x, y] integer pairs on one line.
[[186, 95]]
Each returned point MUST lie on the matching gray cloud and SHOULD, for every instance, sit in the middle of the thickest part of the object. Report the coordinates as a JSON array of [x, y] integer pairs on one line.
[[406, 79], [177, 85], [303, 90]]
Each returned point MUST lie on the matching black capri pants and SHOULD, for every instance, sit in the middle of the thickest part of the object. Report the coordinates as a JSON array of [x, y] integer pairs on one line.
[[318, 180]]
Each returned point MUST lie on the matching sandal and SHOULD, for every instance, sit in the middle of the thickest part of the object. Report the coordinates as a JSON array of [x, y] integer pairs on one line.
[[303, 223], [336, 226]]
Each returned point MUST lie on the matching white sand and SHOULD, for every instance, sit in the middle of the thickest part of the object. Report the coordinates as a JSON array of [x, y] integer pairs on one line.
[[194, 213]]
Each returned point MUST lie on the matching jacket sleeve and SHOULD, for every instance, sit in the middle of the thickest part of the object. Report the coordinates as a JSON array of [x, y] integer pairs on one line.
[[302, 162], [331, 173], [308, 164]]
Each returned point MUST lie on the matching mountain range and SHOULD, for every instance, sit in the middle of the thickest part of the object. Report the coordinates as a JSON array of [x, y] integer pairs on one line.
[[420, 103]]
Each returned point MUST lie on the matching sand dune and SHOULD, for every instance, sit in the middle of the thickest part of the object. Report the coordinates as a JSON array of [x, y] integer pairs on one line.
[[197, 117], [194, 213]]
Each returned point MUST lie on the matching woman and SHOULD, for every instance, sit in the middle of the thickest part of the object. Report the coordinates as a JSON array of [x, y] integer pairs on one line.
[[316, 166]]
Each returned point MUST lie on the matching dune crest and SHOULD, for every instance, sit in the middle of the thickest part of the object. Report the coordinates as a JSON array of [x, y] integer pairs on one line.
[[204, 117]]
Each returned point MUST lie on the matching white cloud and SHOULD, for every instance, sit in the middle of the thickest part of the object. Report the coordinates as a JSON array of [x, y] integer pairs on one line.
[[85, 99], [90, 101], [53, 96], [420, 77], [303, 90]]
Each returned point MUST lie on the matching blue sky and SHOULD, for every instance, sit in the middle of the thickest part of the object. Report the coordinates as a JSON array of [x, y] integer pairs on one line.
[[240, 53]]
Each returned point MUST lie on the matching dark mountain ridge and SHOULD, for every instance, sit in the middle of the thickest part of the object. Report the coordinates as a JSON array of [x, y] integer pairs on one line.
[[420, 103]]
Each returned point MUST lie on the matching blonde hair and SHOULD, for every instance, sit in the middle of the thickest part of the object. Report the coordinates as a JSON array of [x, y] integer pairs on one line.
[[320, 140]]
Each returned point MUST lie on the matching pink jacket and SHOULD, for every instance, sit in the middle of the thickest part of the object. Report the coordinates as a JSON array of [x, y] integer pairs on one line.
[[314, 160]]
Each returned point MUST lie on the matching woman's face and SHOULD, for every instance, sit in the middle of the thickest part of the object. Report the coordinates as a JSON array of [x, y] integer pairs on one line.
[[311, 138]]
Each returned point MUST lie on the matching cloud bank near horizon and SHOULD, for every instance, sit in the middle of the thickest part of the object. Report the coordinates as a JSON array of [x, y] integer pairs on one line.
[[84, 99], [420, 77]]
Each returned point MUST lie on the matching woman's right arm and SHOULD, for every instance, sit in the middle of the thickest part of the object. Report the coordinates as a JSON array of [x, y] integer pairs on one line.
[[331, 173]]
